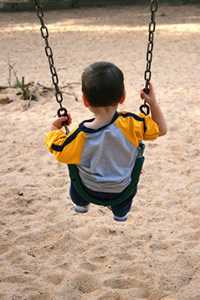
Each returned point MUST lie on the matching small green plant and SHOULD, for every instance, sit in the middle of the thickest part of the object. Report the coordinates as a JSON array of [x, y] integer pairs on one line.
[[25, 89]]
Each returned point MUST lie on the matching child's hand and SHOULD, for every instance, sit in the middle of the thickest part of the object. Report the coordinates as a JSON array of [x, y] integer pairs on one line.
[[149, 98], [62, 121]]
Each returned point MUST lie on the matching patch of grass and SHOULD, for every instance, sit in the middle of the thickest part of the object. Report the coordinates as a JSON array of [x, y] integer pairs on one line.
[[25, 89]]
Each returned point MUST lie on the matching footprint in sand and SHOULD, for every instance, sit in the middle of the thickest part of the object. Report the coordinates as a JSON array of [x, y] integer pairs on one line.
[[56, 278], [170, 298], [17, 279], [4, 248], [103, 295], [123, 283], [65, 266], [86, 283], [40, 296], [99, 259], [100, 256], [88, 267]]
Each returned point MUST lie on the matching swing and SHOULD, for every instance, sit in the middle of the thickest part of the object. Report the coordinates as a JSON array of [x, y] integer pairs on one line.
[[62, 111]]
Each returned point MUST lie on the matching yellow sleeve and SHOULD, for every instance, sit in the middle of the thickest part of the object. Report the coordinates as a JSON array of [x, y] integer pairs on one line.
[[66, 148], [151, 128], [137, 127]]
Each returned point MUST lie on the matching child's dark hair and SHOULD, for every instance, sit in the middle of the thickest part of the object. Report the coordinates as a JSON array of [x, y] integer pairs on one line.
[[103, 84]]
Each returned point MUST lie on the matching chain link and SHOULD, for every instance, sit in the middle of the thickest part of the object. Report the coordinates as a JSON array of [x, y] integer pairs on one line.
[[149, 56], [49, 53], [150, 46]]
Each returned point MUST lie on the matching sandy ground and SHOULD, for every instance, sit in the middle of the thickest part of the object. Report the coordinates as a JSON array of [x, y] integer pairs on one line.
[[46, 250]]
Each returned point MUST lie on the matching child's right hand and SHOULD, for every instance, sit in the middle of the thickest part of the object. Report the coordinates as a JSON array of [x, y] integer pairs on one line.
[[149, 98], [60, 122]]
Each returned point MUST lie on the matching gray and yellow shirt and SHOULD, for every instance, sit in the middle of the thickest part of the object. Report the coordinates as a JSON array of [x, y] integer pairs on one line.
[[106, 156]]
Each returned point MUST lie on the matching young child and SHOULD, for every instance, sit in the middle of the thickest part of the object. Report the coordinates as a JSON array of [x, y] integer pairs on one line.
[[105, 148]]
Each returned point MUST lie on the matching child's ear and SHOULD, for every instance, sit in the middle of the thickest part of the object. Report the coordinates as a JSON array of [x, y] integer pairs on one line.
[[123, 97], [85, 101]]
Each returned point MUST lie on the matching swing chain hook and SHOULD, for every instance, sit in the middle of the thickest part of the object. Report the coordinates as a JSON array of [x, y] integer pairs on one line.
[[149, 56], [62, 111]]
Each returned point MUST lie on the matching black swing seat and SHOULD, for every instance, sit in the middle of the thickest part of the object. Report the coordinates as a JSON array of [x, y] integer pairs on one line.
[[129, 191]]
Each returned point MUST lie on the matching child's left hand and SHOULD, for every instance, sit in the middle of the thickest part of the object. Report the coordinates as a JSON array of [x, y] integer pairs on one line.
[[62, 121]]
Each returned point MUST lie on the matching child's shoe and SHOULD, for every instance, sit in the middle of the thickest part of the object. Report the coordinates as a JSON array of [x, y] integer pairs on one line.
[[121, 219], [81, 209]]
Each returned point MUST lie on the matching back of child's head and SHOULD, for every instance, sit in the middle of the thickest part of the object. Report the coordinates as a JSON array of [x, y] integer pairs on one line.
[[103, 84]]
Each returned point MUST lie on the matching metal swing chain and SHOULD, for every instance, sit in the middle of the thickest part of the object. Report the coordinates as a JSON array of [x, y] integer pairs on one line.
[[49, 53], [62, 111], [149, 56]]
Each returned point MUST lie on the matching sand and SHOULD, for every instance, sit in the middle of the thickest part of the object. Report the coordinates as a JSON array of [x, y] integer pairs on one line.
[[46, 250]]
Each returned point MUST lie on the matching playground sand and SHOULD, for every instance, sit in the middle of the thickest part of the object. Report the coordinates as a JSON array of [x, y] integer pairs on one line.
[[46, 250]]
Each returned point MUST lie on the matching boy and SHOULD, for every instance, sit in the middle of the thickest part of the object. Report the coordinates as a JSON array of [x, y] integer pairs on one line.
[[105, 148]]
